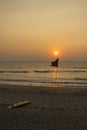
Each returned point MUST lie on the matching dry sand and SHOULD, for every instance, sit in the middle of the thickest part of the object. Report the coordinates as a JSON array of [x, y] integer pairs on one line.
[[51, 109]]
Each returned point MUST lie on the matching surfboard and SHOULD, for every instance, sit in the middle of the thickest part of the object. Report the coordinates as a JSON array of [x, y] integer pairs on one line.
[[19, 104]]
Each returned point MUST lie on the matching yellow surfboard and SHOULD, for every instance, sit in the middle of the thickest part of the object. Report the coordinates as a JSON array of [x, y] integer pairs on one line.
[[19, 104]]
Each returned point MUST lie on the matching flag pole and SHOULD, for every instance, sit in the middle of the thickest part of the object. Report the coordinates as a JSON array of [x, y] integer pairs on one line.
[[55, 64], [56, 70], [56, 77]]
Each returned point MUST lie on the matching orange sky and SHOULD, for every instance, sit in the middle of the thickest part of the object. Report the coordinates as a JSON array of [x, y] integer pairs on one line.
[[30, 30]]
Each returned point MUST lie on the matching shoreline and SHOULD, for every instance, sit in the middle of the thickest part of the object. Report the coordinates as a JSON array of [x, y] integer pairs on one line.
[[50, 108]]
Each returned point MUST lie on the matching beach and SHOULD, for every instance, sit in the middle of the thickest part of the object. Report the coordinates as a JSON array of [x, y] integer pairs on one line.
[[59, 108]]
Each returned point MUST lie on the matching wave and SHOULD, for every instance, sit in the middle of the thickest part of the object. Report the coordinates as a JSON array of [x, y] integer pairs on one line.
[[61, 71], [43, 71], [84, 79], [14, 71], [17, 80], [72, 79], [45, 81], [74, 71], [84, 67]]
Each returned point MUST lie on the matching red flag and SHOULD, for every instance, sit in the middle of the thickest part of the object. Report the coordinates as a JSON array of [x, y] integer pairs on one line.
[[55, 63]]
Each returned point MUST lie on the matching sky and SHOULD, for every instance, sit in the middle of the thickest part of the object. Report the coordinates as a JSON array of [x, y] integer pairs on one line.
[[32, 29]]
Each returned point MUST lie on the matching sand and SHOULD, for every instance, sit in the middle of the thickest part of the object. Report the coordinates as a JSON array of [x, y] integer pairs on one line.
[[51, 108]]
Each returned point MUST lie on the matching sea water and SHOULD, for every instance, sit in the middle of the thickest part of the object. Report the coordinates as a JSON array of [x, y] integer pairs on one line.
[[72, 74]]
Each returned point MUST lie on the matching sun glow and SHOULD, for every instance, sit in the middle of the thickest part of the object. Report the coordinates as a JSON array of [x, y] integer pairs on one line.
[[56, 53]]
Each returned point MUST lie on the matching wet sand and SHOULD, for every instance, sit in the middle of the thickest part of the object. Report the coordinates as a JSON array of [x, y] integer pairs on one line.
[[51, 108]]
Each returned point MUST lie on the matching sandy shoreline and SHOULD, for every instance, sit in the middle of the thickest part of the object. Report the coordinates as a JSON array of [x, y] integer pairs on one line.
[[51, 109]]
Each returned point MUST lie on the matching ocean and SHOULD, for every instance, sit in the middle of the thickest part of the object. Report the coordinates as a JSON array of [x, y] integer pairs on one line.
[[70, 74]]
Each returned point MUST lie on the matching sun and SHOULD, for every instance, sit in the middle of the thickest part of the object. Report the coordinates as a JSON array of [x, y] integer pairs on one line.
[[55, 53]]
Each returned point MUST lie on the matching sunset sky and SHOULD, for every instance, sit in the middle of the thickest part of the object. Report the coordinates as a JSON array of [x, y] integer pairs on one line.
[[32, 29]]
